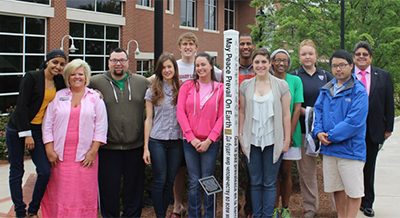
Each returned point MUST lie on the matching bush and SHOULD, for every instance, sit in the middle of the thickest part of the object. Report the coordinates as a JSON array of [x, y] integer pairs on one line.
[[3, 126]]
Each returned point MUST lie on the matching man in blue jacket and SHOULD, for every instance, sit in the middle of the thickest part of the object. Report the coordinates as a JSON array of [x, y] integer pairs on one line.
[[340, 124]]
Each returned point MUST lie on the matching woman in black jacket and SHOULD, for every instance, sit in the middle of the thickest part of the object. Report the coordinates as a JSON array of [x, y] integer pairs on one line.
[[36, 90]]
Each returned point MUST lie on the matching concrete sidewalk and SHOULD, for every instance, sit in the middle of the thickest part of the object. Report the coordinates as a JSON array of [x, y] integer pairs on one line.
[[387, 178], [6, 205]]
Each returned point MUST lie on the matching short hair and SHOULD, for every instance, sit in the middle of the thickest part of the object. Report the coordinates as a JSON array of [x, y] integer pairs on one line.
[[190, 37], [247, 35], [119, 50], [308, 42], [73, 66], [261, 51], [343, 54], [364, 45]]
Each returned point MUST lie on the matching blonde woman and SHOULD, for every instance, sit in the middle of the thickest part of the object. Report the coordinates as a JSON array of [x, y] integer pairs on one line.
[[312, 78], [74, 127]]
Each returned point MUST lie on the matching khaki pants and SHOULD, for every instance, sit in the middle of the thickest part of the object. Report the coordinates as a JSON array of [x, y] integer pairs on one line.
[[307, 167]]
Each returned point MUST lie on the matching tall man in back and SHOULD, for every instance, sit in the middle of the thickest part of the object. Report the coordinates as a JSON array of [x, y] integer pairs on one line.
[[379, 86], [123, 94], [246, 48]]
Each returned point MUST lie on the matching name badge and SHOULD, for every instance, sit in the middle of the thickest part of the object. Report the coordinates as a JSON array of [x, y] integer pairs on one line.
[[64, 98]]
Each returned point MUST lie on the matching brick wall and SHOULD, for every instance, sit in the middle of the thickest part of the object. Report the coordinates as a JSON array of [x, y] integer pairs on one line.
[[140, 26], [58, 26]]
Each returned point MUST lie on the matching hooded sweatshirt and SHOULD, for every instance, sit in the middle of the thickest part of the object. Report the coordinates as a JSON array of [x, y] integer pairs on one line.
[[125, 110], [200, 123]]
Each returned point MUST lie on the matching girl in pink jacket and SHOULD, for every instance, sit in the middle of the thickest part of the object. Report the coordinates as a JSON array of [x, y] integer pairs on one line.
[[200, 115]]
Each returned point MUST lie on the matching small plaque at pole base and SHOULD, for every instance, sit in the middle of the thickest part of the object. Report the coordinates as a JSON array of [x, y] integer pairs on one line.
[[210, 185]]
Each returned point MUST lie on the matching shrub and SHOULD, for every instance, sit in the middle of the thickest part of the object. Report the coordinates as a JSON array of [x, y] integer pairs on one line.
[[3, 126]]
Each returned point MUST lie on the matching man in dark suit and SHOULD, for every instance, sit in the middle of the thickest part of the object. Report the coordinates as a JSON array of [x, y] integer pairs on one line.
[[379, 86]]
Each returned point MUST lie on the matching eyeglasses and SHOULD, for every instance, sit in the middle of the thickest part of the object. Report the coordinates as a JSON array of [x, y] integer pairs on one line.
[[122, 61], [358, 54], [279, 61], [341, 66]]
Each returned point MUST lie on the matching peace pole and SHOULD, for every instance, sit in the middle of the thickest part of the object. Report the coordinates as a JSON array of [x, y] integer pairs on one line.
[[231, 124]]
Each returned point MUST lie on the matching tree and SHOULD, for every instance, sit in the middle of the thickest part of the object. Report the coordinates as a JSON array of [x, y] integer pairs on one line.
[[374, 21]]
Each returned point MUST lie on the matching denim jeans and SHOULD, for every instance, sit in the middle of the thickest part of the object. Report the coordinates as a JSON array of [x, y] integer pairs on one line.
[[16, 151], [200, 165], [166, 157], [263, 174]]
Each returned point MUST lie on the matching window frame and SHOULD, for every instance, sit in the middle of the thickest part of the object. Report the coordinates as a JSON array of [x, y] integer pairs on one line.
[[228, 10], [23, 54], [194, 2], [101, 12], [142, 72], [207, 19], [105, 55]]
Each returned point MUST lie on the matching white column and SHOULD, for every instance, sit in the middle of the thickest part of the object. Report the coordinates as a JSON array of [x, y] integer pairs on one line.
[[231, 124]]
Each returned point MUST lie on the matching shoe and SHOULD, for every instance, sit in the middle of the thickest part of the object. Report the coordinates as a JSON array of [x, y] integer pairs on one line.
[[369, 212], [286, 213], [309, 214], [183, 212], [277, 212], [32, 216], [175, 215]]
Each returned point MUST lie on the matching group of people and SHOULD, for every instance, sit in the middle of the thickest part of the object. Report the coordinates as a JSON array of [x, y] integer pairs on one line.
[[95, 134]]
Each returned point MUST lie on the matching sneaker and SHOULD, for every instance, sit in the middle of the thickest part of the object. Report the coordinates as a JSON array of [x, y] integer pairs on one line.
[[277, 213], [286, 213]]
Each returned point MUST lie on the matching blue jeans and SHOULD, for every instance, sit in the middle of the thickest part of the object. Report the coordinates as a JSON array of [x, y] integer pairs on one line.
[[16, 152], [200, 165], [166, 157], [263, 174]]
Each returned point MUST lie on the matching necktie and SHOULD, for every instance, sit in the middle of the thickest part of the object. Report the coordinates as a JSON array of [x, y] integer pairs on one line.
[[363, 80]]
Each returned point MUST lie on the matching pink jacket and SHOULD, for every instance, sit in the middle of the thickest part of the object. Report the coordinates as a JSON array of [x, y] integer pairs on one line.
[[204, 123], [92, 122]]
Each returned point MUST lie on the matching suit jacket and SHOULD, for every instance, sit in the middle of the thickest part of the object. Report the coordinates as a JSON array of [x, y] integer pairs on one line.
[[30, 99], [381, 105]]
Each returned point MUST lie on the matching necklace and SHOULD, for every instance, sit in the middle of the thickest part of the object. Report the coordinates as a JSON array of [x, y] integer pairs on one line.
[[260, 88]]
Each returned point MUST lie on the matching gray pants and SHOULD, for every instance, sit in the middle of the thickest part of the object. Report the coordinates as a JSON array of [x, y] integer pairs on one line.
[[307, 167]]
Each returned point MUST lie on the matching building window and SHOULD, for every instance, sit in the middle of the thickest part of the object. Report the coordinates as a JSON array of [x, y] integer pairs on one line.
[[104, 6], [170, 6], [146, 3], [143, 66], [229, 14], [45, 2], [210, 15], [22, 49], [94, 43], [188, 13]]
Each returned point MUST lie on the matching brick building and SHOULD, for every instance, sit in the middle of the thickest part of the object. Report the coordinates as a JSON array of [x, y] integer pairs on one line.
[[31, 28]]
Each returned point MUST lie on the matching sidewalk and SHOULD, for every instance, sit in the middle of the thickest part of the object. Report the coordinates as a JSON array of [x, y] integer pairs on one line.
[[28, 182], [387, 177]]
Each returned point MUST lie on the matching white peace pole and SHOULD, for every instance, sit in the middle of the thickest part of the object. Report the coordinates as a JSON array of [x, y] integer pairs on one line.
[[231, 124]]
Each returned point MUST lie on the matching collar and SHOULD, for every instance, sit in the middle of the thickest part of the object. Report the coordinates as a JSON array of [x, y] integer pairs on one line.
[[246, 67], [357, 70], [87, 90]]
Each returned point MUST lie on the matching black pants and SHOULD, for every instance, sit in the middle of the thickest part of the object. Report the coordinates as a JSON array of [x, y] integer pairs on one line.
[[114, 164], [369, 173]]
